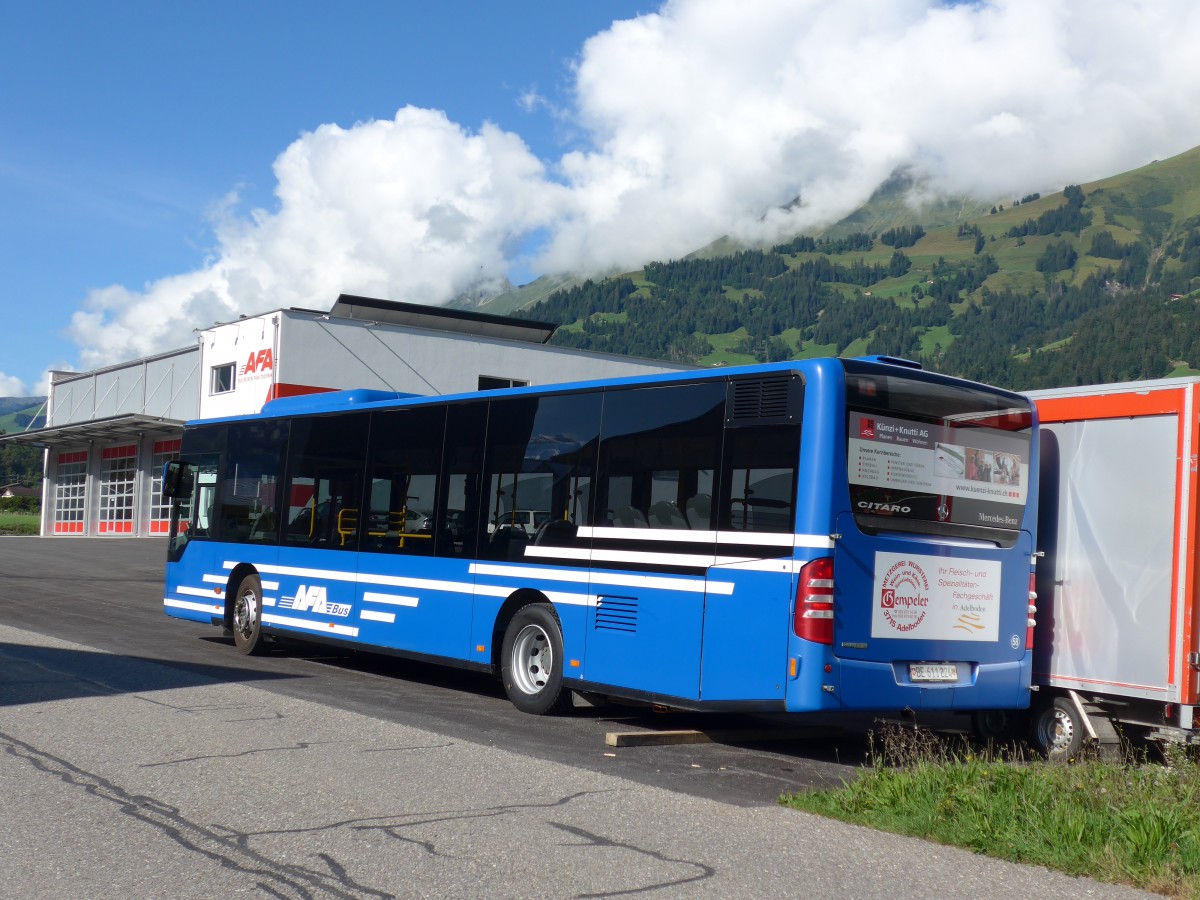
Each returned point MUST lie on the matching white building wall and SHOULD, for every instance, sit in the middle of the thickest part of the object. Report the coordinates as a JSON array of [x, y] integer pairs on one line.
[[277, 353], [163, 386], [250, 347], [344, 353], [293, 351]]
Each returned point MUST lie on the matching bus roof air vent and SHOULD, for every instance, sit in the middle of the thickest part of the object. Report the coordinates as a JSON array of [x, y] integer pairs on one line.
[[892, 361], [771, 400]]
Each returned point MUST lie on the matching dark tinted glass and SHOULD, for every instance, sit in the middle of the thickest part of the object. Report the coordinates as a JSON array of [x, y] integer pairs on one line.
[[324, 488], [927, 456], [459, 491], [758, 491], [540, 458], [660, 451], [247, 493], [403, 514]]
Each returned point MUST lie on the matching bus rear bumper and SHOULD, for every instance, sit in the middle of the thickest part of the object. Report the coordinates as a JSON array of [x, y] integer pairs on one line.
[[889, 685]]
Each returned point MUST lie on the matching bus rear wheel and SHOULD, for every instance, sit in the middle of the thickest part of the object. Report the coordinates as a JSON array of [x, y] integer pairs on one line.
[[246, 617], [531, 660]]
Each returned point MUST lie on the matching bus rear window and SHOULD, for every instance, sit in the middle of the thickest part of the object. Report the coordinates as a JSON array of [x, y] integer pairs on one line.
[[924, 456]]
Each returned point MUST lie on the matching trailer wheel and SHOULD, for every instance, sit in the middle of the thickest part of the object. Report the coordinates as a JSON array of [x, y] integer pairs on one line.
[[531, 660], [246, 618], [1059, 730]]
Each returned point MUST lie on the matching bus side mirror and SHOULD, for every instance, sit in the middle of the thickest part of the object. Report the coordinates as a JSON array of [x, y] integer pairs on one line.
[[177, 480]]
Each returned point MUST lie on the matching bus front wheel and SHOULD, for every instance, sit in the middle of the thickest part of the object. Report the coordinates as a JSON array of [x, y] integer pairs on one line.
[[531, 660], [246, 618]]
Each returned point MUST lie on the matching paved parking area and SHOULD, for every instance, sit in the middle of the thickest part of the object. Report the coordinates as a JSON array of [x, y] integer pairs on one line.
[[126, 777]]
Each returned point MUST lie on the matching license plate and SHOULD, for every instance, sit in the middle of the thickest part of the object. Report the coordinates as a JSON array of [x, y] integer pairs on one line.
[[933, 672]]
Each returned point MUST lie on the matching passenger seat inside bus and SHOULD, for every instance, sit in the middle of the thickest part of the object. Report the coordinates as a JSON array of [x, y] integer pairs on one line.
[[508, 542], [665, 514], [699, 512], [629, 517]]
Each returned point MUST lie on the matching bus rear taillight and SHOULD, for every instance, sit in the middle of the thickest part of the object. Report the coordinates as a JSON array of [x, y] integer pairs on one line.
[[1030, 622], [814, 602]]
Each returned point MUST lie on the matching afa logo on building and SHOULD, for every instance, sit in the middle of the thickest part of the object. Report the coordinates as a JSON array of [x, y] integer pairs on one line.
[[260, 364]]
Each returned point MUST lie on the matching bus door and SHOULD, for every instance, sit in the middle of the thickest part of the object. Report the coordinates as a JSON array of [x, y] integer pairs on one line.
[[654, 538], [417, 529], [746, 629], [312, 589], [750, 589]]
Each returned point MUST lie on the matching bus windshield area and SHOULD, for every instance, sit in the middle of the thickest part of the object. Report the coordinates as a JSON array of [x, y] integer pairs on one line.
[[936, 458]]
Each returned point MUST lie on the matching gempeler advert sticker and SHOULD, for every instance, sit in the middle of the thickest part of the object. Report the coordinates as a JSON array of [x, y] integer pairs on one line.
[[935, 598]]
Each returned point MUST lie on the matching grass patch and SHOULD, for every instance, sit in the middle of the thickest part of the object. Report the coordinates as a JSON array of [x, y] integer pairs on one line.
[[19, 523], [1130, 823]]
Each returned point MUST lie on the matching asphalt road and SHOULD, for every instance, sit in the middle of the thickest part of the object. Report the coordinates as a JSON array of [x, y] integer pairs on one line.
[[144, 757]]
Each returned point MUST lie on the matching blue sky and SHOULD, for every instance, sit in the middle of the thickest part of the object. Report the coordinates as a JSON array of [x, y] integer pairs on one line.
[[167, 165], [122, 124]]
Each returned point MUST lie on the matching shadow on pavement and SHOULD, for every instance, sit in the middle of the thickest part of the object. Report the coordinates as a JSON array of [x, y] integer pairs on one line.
[[40, 674]]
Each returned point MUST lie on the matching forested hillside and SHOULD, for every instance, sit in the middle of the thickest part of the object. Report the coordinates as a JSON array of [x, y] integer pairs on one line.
[[18, 463], [1097, 283]]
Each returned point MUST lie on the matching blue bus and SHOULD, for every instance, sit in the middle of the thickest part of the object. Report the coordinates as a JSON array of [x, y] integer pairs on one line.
[[814, 535]]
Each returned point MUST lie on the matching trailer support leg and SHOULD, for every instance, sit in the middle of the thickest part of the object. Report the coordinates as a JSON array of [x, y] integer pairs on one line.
[[1087, 720]]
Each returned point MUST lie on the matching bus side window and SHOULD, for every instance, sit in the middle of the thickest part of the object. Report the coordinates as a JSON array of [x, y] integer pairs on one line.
[[459, 526], [758, 491], [400, 512], [324, 481], [659, 450], [538, 470], [247, 495]]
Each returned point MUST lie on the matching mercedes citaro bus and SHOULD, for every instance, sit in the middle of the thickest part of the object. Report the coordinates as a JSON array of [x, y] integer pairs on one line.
[[814, 535]]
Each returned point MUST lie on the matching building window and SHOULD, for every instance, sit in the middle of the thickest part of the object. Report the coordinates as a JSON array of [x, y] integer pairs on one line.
[[160, 506], [493, 383], [118, 471], [222, 379], [70, 487]]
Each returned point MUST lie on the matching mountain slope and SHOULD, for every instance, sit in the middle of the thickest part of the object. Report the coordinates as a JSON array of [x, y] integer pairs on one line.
[[1091, 284]]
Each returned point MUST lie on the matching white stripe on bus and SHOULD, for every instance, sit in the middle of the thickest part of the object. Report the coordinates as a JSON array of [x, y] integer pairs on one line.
[[394, 600], [200, 592], [372, 615], [322, 627], [653, 582], [194, 607]]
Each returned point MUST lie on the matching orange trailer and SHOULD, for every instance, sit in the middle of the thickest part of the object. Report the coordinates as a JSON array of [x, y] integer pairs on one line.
[[1116, 640]]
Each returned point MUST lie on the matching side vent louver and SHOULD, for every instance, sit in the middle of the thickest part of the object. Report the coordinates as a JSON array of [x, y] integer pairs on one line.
[[616, 614], [772, 399]]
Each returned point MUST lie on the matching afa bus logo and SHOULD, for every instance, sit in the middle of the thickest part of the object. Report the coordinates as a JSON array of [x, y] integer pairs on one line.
[[314, 599]]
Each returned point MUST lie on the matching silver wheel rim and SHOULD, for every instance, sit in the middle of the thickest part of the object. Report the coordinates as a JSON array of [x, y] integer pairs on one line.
[[1058, 732], [245, 613], [532, 659]]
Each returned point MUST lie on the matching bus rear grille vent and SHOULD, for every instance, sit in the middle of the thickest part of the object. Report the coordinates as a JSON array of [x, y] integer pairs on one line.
[[616, 614], [755, 399]]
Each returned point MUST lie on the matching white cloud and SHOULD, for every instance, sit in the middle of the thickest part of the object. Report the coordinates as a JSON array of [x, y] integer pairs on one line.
[[11, 386], [703, 119], [413, 208]]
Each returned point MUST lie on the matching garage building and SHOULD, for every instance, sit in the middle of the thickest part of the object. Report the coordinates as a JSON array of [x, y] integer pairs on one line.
[[109, 431]]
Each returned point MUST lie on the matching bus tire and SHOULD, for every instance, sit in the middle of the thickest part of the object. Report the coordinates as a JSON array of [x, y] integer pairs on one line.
[[531, 660], [998, 726], [1058, 730], [245, 618]]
